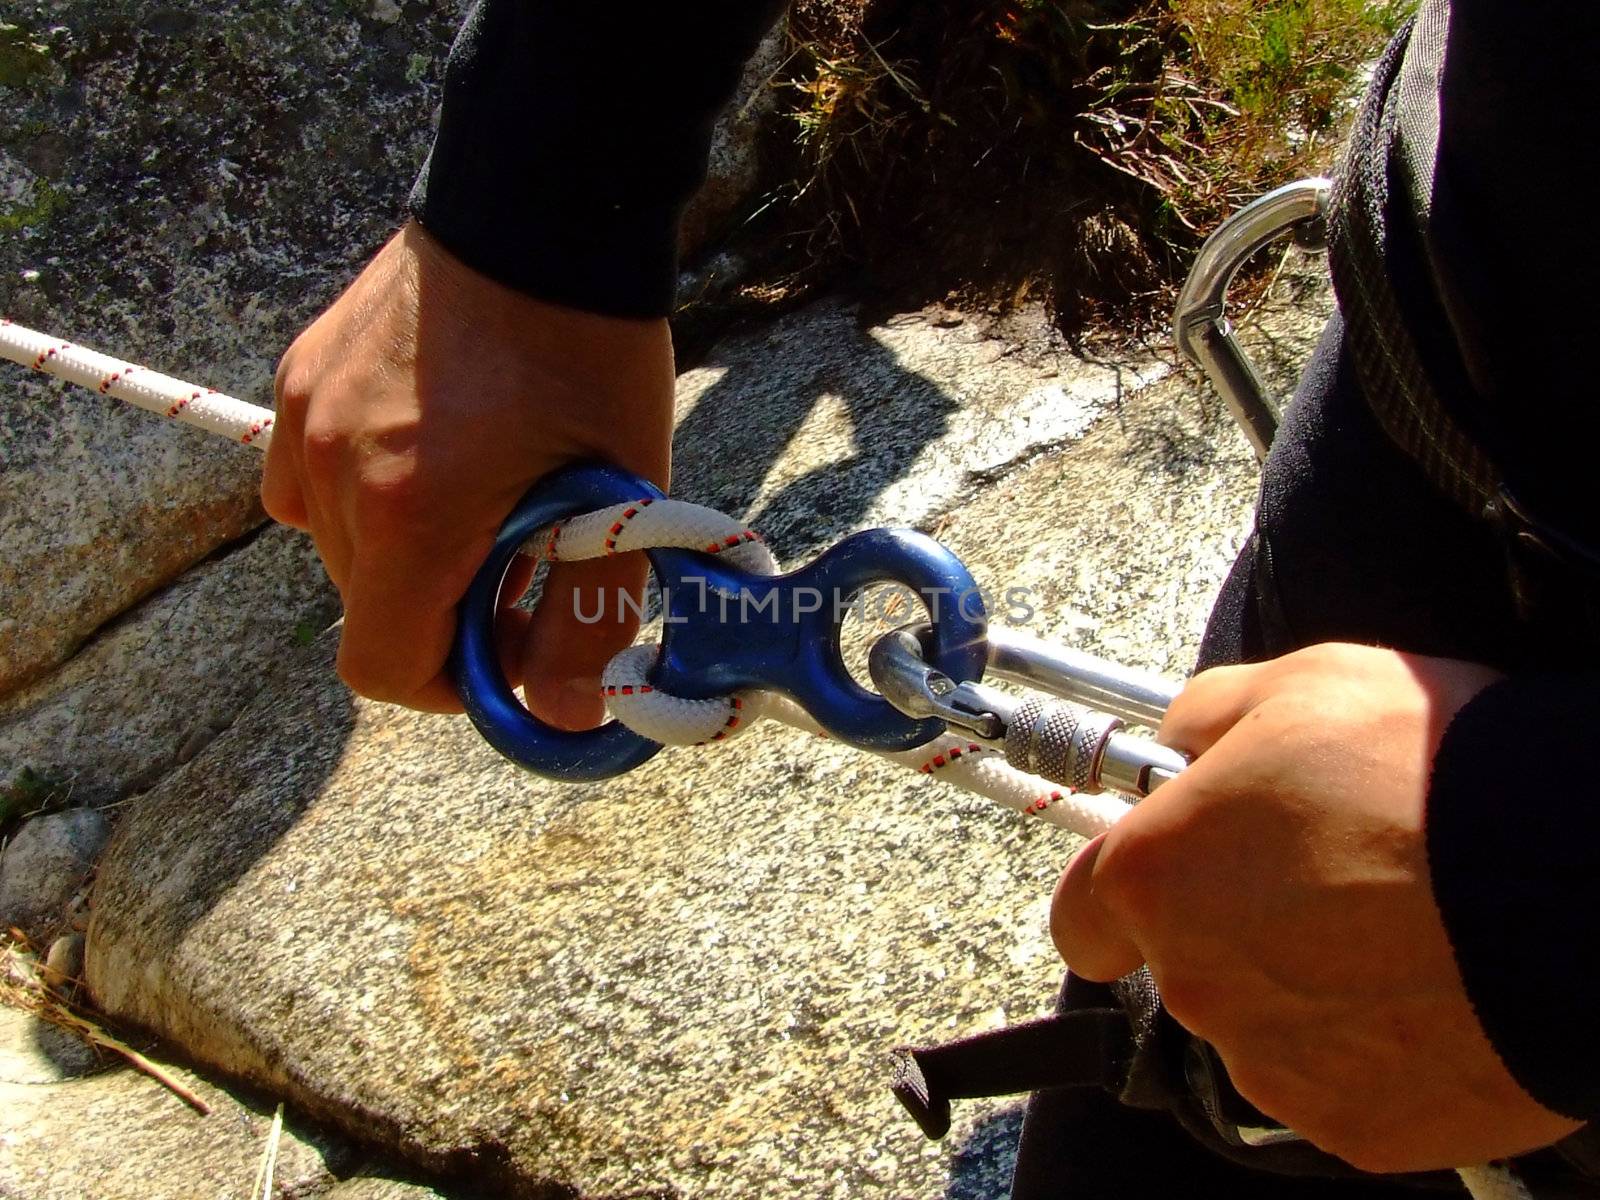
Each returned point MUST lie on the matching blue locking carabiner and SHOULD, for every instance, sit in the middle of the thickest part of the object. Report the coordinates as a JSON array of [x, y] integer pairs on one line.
[[724, 630]]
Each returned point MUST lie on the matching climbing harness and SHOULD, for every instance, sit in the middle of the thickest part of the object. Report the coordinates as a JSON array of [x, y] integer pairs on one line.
[[1385, 188], [741, 642]]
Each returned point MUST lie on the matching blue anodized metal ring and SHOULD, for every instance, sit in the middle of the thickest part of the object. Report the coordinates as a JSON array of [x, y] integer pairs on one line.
[[724, 630]]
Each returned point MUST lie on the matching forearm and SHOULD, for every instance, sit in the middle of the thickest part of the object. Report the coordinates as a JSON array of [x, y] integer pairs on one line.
[[572, 136]]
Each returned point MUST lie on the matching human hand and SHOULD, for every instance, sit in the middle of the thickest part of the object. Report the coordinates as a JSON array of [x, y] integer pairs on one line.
[[411, 417], [1279, 891]]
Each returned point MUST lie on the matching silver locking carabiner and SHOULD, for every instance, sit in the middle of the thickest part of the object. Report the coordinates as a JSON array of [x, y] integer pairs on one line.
[[1075, 736]]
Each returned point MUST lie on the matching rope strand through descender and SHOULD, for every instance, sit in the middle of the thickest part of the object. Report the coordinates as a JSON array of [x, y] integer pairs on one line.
[[713, 677]]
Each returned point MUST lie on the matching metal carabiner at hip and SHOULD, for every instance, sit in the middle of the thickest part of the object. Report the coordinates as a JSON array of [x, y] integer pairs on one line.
[[1201, 327], [712, 648]]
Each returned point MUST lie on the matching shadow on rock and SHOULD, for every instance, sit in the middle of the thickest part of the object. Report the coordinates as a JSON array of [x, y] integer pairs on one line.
[[803, 445], [187, 843], [981, 1167]]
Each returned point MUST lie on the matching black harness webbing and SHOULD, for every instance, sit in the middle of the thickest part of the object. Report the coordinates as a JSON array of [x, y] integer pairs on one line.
[[1087, 1047], [1393, 143], [1378, 215]]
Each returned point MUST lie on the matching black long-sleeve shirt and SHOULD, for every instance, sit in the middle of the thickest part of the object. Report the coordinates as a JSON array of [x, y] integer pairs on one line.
[[572, 137]]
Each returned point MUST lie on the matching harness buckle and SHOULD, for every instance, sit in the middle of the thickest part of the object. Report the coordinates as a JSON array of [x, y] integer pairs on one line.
[[1552, 575]]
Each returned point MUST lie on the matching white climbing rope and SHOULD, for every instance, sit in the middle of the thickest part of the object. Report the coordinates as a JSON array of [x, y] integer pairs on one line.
[[207, 408], [629, 696]]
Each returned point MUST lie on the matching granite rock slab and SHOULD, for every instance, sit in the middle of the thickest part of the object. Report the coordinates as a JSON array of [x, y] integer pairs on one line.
[[153, 687], [378, 1187], [660, 984], [185, 185], [822, 423], [74, 1124]]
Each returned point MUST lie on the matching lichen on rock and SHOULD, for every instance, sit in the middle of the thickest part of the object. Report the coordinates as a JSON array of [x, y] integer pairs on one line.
[[183, 185]]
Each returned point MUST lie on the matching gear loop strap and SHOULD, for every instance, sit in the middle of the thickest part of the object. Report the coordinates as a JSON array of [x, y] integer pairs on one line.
[[1086, 1047]]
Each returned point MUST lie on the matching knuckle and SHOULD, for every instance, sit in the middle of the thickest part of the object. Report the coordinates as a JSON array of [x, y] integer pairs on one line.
[[1133, 877], [1199, 684], [1194, 708], [280, 383], [289, 385], [390, 505], [322, 446], [1319, 659], [1212, 680], [1191, 699]]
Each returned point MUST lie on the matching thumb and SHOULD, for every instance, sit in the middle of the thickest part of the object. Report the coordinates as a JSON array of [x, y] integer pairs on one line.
[[1090, 938]]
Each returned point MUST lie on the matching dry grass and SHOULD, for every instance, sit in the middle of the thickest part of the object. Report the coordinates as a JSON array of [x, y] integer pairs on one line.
[[1249, 97], [24, 987], [1077, 149], [262, 1188]]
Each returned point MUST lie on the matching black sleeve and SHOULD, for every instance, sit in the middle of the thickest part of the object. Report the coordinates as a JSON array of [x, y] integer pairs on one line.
[[1512, 831], [571, 137], [1515, 253]]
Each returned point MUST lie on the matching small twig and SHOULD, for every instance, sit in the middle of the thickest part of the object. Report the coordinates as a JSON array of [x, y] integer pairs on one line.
[[25, 989], [99, 1037]]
